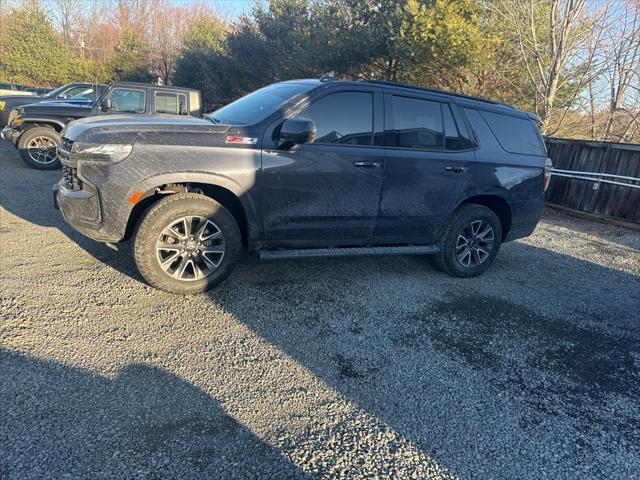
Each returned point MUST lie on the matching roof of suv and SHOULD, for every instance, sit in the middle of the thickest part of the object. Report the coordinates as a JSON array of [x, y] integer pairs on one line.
[[464, 100], [149, 85]]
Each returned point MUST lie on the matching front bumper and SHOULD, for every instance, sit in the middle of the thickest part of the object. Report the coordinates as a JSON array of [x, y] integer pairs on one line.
[[10, 135], [81, 210]]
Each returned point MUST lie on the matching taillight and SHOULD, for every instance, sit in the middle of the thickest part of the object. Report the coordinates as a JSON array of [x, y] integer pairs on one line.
[[548, 165]]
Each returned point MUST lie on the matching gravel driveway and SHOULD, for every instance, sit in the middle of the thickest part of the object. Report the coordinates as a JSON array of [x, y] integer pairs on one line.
[[336, 368]]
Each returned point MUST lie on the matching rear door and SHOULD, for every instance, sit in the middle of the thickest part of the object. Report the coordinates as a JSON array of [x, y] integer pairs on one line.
[[429, 155], [326, 193]]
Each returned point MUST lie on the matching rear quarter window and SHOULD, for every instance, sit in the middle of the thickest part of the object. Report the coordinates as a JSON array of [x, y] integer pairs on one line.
[[515, 135]]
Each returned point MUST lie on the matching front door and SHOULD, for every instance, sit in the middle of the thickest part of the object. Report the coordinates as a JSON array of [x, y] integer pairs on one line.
[[326, 193]]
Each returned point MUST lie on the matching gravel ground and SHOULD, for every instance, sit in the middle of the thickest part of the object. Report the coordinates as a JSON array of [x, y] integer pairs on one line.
[[336, 368]]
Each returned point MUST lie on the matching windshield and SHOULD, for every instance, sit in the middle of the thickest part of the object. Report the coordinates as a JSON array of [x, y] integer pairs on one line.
[[54, 93], [84, 93], [257, 106]]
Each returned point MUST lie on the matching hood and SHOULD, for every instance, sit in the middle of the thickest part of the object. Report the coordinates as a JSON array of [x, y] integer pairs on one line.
[[69, 101], [14, 101], [26, 98], [56, 108], [98, 128]]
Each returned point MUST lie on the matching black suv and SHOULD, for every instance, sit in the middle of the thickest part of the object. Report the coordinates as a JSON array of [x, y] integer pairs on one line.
[[35, 131], [307, 168]]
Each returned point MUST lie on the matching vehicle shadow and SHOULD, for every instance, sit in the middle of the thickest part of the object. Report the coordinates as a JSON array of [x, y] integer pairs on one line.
[[59, 421], [523, 365], [27, 194], [464, 368]]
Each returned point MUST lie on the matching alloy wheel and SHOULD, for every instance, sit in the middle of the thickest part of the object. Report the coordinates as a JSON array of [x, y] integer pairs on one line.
[[42, 150], [190, 248], [475, 243]]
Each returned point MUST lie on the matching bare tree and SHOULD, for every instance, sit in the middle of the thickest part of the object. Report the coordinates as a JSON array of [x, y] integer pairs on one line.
[[167, 25], [551, 37], [622, 60], [66, 14]]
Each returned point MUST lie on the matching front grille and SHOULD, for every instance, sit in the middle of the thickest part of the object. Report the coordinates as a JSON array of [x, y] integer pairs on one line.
[[71, 180], [66, 144]]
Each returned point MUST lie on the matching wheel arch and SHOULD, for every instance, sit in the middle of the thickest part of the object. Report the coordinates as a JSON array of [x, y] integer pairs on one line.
[[30, 123], [220, 194], [498, 205]]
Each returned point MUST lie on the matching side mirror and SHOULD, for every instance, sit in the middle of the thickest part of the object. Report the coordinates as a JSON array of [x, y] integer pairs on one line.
[[105, 105], [298, 131]]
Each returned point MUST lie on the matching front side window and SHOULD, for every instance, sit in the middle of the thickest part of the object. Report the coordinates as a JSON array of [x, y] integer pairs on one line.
[[417, 123], [344, 118], [127, 100], [171, 103]]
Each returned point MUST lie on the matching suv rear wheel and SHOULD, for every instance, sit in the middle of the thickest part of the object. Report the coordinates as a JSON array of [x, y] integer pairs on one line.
[[470, 241], [186, 243], [38, 148]]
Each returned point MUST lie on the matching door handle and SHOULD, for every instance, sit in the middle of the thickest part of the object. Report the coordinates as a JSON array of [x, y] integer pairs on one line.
[[367, 164], [454, 168]]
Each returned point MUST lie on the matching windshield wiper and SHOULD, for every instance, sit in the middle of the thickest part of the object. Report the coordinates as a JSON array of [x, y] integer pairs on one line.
[[213, 120]]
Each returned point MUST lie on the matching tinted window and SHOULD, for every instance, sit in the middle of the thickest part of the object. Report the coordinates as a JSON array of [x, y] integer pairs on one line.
[[80, 92], [56, 92], [515, 135], [417, 123], [257, 106], [172, 103], [452, 138], [127, 100], [345, 118]]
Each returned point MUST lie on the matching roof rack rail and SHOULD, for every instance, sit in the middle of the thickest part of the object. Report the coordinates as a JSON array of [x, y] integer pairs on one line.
[[435, 90], [328, 77]]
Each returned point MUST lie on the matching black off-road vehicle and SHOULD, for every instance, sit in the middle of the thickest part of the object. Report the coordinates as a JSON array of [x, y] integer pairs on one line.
[[35, 131], [307, 168], [76, 92]]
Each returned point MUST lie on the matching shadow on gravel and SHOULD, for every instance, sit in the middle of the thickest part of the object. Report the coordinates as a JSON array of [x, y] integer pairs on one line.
[[460, 347], [27, 194], [57, 420]]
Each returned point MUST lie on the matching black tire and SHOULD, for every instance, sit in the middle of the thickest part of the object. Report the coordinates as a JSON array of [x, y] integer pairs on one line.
[[453, 254], [149, 238], [49, 140]]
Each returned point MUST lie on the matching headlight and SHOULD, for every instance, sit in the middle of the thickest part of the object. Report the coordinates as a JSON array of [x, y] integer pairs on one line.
[[17, 122], [102, 152], [2, 104]]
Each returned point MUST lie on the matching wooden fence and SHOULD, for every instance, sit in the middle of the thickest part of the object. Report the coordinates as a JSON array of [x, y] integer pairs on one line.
[[619, 202]]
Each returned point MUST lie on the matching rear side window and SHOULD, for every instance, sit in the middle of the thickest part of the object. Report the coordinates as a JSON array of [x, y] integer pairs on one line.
[[195, 103], [515, 135], [417, 123], [172, 103], [344, 118]]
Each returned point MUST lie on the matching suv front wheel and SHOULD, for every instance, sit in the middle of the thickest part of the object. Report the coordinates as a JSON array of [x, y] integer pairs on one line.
[[470, 241], [186, 243], [38, 147]]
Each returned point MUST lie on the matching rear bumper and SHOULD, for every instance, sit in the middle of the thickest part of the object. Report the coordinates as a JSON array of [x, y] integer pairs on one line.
[[525, 216]]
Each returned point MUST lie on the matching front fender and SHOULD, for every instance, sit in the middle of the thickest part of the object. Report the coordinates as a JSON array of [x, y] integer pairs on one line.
[[150, 184], [38, 120]]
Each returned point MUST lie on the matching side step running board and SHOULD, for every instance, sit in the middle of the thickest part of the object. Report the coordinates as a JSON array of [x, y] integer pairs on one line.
[[346, 252]]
